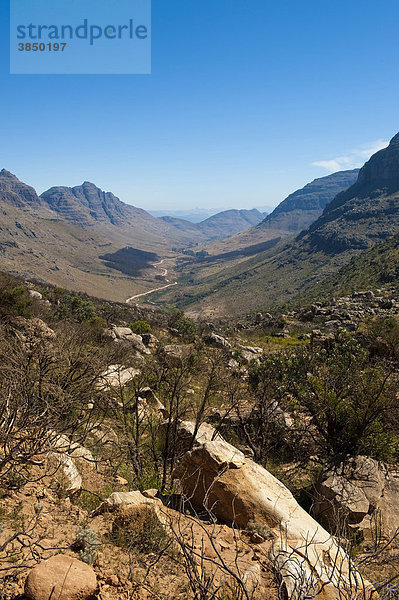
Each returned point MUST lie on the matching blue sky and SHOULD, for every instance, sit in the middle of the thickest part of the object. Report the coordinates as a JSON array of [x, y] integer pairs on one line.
[[247, 101]]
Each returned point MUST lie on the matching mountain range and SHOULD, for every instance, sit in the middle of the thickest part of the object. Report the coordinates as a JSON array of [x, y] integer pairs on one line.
[[303, 207], [356, 220], [85, 239]]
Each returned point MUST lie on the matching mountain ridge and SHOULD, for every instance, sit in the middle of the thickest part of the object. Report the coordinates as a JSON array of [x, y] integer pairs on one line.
[[357, 219]]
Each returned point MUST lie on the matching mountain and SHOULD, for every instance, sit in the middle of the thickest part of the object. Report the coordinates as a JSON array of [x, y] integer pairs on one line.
[[75, 237], [87, 204], [17, 194], [303, 207], [229, 222], [357, 219], [374, 268], [220, 225], [194, 215]]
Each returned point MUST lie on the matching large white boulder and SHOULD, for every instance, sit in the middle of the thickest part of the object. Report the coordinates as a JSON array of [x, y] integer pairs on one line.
[[217, 476]]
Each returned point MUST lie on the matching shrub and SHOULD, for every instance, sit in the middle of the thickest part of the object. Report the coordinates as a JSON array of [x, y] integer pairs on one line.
[[346, 394], [15, 301], [86, 544], [140, 531], [140, 327]]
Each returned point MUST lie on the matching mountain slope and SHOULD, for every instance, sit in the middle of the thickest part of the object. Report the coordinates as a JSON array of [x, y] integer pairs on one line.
[[219, 226], [42, 238], [303, 207], [357, 219], [229, 222], [372, 269]]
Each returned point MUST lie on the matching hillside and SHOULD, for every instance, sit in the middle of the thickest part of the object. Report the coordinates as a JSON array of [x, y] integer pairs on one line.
[[219, 226], [303, 207], [294, 214], [60, 237], [362, 216]]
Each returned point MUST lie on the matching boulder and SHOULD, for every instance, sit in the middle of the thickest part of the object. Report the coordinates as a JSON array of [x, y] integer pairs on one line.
[[33, 331], [116, 375], [216, 476], [61, 443], [175, 354], [362, 494], [183, 433], [216, 341], [35, 295], [125, 334], [249, 353], [151, 404], [150, 340], [62, 578], [71, 473], [128, 504]]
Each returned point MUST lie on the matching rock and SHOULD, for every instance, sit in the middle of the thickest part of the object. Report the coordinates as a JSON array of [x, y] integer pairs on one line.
[[217, 476], [125, 334], [216, 341], [150, 340], [249, 353], [71, 473], [117, 375], [35, 295], [62, 578], [233, 364], [252, 578], [121, 480], [31, 331], [61, 443], [151, 402], [175, 354], [150, 493], [118, 499], [185, 432], [363, 495]]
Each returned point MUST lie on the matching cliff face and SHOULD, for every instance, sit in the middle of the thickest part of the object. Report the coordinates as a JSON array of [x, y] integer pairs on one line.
[[16, 193], [303, 207], [366, 213], [86, 203], [383, 167]]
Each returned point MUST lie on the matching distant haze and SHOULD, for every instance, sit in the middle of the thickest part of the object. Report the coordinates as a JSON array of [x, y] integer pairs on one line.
[[196, 215]]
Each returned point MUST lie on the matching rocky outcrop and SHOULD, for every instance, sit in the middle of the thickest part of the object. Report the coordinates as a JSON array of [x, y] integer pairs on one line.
[[304, 206], [383, 167], [249, 353], [150, 403], [125, 334], [218, 477], [16, 193], [175, 354], [216, 341], [117, 375], [61, 577], [362, 495]]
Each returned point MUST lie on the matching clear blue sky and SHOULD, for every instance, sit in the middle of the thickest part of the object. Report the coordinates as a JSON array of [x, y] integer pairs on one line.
[[244, 97]]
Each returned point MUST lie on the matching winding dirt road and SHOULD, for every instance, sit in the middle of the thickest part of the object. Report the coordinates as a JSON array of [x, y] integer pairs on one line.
[[158, 289]]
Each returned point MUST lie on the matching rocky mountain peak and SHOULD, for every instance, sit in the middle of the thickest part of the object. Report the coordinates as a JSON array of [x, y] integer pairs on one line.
[[6, 174], [383, 167], [16, 193]]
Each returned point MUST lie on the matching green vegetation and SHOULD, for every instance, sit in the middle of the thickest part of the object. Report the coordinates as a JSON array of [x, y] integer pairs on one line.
[[140, 327]]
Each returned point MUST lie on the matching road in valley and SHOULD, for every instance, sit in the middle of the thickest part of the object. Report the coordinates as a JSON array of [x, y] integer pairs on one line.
[[158, 289]]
